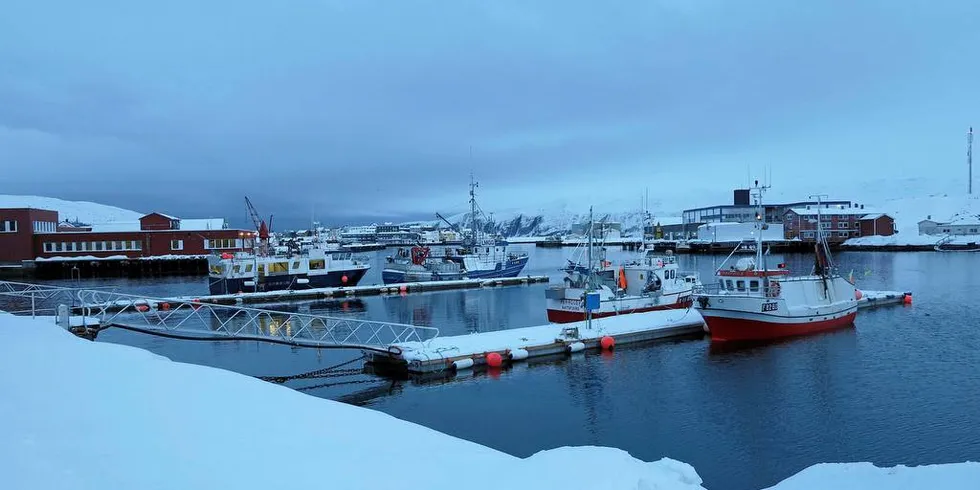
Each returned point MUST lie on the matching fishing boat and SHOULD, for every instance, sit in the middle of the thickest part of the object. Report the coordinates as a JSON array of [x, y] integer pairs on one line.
[[245, 272], [479, 257], [317, 263], [753, 302], [651, 283]]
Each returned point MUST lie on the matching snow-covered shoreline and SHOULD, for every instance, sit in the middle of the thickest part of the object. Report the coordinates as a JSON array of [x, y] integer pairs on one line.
[[97, 415]]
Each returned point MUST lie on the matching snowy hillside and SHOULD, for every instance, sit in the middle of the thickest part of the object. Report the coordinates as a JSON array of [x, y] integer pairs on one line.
[[83, 211]]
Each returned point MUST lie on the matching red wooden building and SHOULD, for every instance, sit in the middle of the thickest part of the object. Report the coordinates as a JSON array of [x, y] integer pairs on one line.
[[17, 229], [35, 234], [837, 222]]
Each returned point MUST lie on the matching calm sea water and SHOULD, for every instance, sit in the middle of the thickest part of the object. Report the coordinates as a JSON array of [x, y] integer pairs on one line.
[[901, 387]]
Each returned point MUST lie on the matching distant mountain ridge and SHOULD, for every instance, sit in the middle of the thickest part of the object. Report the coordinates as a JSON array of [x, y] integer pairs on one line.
[[82, 211]]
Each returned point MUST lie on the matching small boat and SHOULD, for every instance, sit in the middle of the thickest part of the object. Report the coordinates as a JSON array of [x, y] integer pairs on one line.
[[245, 272], [649, 284], [753, 302], [947, 245]]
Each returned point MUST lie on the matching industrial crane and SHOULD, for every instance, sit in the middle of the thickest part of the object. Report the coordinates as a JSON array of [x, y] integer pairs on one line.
[[260, 225]]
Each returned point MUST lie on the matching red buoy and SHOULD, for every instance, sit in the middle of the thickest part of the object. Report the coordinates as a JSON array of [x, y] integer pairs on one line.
[[858, 294], [494, 360], [343, 279], [607, 342], [142, 308], [403, 289], [164, 306], [907, 299]]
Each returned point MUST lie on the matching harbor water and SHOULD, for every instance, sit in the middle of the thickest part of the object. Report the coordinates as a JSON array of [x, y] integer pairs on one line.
[[901, 387]]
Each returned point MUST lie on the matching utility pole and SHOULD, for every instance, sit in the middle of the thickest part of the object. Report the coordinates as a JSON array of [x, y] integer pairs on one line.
[[969, 160]]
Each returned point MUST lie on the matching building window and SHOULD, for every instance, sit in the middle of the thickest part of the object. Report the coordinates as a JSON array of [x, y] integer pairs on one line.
[[176, 244], [825, 225], [9, 226], [48, 247], [842, 225], [98, 246], [222, 243]]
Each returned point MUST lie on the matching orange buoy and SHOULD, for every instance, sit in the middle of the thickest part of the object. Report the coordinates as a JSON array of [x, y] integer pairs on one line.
[[907, 299], [607, 342], [858, 294], [164, 306], [343, 279], [142, 308], [494, 360], [403, 289], [622, 277]]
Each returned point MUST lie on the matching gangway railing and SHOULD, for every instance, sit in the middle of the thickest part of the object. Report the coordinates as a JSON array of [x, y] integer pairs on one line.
[[180, 318]]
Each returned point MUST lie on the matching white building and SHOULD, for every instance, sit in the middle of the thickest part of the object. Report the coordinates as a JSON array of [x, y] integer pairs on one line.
[[963, 225]]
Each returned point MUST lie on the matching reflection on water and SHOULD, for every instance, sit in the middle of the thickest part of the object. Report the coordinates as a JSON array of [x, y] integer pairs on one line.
[[900, 387]]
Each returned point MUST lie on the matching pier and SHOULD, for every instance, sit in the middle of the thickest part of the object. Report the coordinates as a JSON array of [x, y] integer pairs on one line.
[[505, 346], [372, 290]]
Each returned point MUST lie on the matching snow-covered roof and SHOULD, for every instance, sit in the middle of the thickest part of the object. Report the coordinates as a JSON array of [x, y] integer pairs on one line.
[[967, 220], [874, 216], [161, 214], [202, 224], [829, 211]]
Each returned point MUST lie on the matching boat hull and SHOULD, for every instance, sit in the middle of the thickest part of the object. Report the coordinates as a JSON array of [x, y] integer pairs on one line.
[[509, 268], [729, 326], [286, 282], [567, 316]]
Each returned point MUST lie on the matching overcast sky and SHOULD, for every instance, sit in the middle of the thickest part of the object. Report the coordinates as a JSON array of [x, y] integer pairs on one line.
[[368, 110]]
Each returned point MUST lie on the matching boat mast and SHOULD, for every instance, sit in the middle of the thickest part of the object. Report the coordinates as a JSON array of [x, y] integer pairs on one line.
[[823, 249], [591, 272], [473, 226], [760, 224]]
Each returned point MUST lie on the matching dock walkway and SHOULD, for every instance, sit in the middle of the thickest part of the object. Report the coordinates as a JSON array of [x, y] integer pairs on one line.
[[371, 290]]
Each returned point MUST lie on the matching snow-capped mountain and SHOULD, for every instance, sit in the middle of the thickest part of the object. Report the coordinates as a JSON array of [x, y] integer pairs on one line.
[[82, 211]]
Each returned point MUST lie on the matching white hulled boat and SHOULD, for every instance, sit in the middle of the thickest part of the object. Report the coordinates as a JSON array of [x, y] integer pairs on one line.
[[753, 302]]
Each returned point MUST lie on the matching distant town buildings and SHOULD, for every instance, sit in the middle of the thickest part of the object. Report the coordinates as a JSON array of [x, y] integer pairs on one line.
[[838, 223], [743, 211], [29, 234], [965, 225]]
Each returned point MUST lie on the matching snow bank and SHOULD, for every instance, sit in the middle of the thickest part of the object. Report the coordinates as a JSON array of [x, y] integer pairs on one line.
[[909, 239], [863, 476], [938, 207], [104, 416], [84, 211]]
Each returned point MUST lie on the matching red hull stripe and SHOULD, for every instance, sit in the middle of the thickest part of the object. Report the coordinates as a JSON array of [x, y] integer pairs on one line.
[[562, 316], [733, 329]]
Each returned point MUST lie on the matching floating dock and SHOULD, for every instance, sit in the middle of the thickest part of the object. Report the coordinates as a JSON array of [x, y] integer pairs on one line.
[[505, 346], [344, 292], [488, 348]]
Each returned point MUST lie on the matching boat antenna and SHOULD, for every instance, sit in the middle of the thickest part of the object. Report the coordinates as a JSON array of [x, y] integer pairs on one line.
[[760, 224], [591, 278]]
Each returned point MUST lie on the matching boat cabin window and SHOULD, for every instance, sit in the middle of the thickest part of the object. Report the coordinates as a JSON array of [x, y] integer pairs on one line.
[[317, 264], [278, 267], [741, 285], [238, 269], [248, 267], [729, 285], [216, 269], [343, 256], [295, 265], [754, 286]]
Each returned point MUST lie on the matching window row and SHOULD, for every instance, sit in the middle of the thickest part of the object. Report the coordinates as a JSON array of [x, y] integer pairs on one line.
[[113, 246], [219, 243], [45, 227], [8, 226]]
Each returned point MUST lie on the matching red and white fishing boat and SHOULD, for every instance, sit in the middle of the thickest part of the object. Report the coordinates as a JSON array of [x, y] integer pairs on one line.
[[652, 283], [753, 302]]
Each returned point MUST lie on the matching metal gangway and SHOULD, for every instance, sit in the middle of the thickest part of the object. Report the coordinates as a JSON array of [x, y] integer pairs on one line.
[[97, 309]]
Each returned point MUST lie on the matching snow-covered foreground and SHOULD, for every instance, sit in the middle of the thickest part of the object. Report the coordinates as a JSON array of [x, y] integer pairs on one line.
[[78, 414], [84, 211]]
